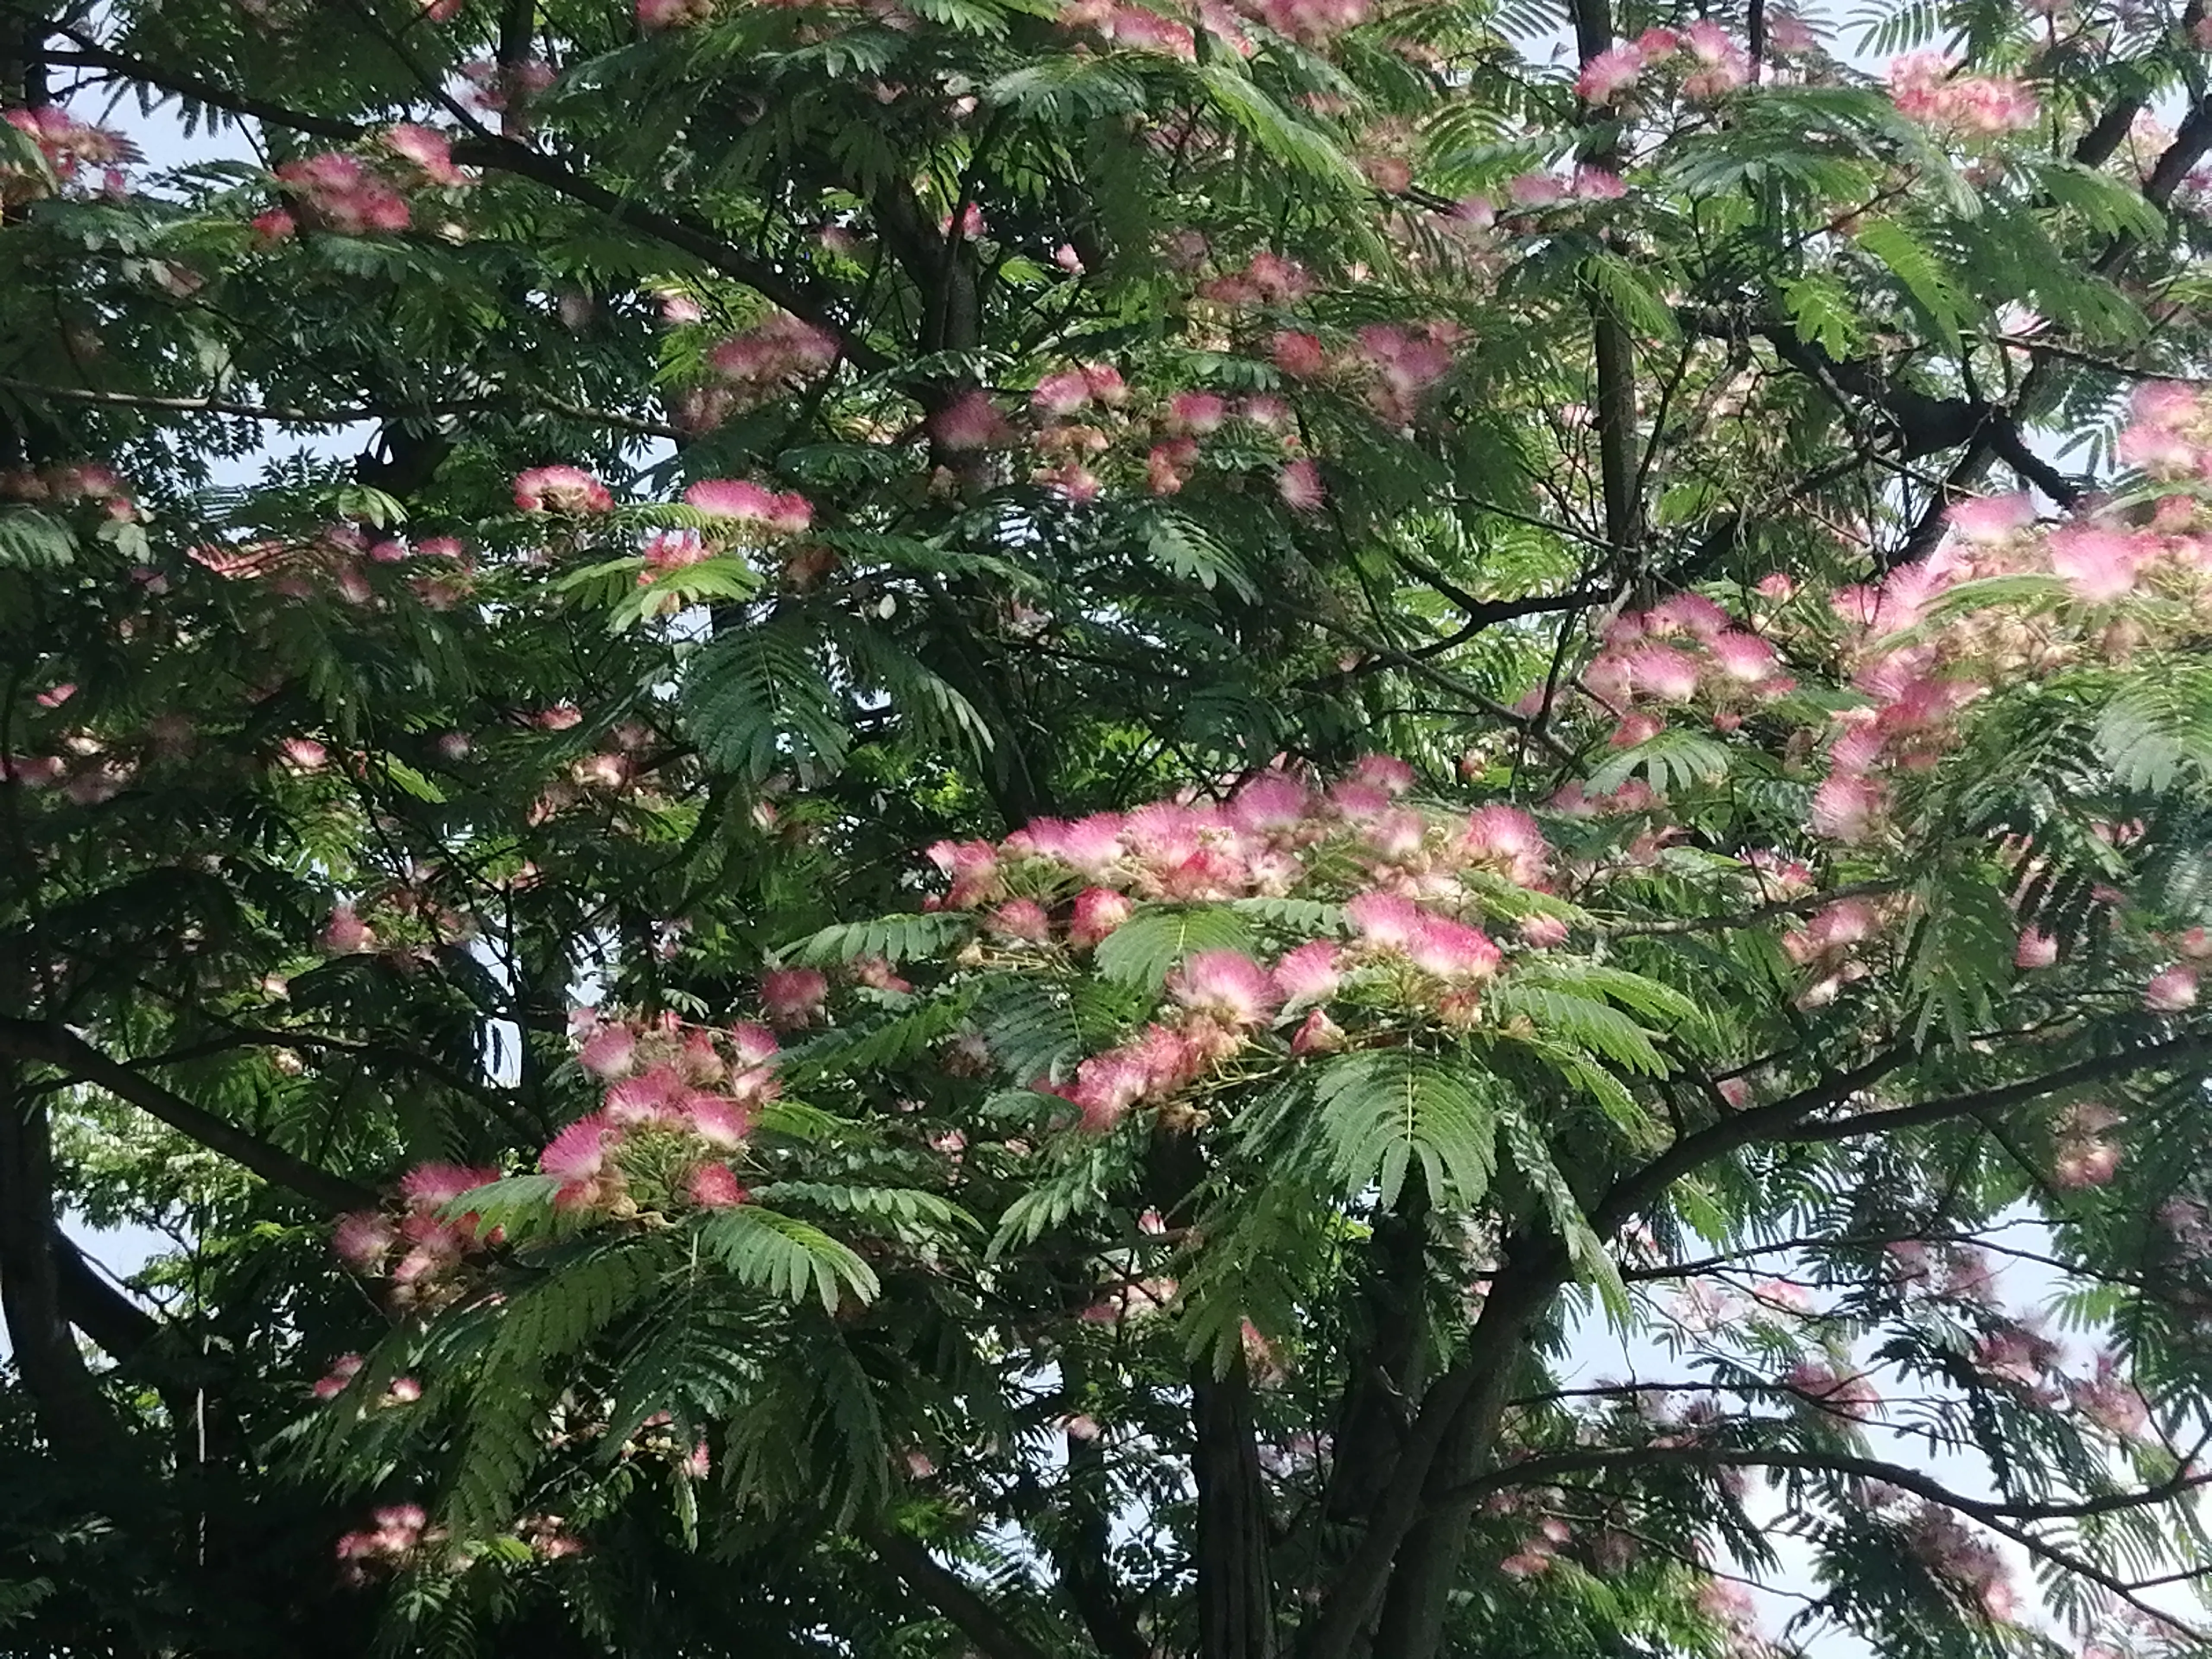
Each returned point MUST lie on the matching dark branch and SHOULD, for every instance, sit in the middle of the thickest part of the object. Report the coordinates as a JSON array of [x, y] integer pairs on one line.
[[1788, 1118], [56, 1046], [945, 1590]]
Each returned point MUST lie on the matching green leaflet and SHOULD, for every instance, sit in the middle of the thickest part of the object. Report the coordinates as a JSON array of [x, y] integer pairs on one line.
[[786, 1257], [1379, 1111], [1089, 1168], [900, 1041], [754, 700], [2156, 732], [1677, 758], [521, 1205], [907, 1208], [1144, 950], [32, 540], [894, 939], [1927, 281], [1524, 1142], [1579, 1022]]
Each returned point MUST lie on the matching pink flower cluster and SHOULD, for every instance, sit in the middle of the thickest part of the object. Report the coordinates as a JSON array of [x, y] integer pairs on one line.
[[1845, 1393], [1683, 648], [401, 1532], [1918, 690], [1407, 869], [404, 1390], [1951, 1552], [1829, 945], [679, 1102], [1257, 843], [741, 502], [560, 489], [1713, 63], [68, 146], [653, 15], [2109, 1400], [353, 195], [1268, 279], [1584, 184], [417, 1247], [771, 353], [2083, 1155], [1134, 29], [1314, 22], [2170, 435], [1925, 87]]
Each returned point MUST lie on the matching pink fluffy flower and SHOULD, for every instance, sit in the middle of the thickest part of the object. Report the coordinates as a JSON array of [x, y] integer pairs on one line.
[[1020, 919], [1388, 773], [2084, 1162], [1721, 65], [721, 1123], [343, 1370], [1098, 912], [1318, 1035], [970, 421], [1988, 519], [578, 1152], [1662, 672], [346, 933], [2100, 565], [436, 1184], [1227, 985], [974, 867], [745, 502], [1060, 394], [1396, 836], [363, 1239], [1506, 840], [561, 490], [2036, 949], [1107, 1085], [648, 1097], [1300, 486], [753, 1045], [1196, 413], [1745, 658], [794, 997], [1611, 73], [1453, 951], [1845, 806], [608, 1051], [1268, 803], [2171, 990], [1308, 974], [427, 150], [1302, 356], [713, 1187], [1542, 933], [653, 15], [1384, 920]]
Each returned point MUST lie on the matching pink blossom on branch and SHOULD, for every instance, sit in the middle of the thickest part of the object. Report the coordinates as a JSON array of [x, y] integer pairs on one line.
[[568, 489], [794, 997], [1226, 985], [1612, 72]]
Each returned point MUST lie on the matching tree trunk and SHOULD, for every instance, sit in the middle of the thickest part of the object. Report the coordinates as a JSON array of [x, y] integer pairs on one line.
[[1235, 1594], [71, 1413]]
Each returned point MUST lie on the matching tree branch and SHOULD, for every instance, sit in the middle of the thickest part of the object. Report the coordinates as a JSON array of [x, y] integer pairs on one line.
[[56, 1046], [1534, 1471], [1785, 1119], [949, 1593], [2008, 1520], [513, 157]]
